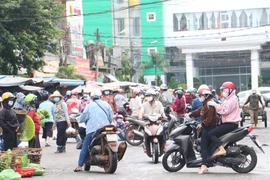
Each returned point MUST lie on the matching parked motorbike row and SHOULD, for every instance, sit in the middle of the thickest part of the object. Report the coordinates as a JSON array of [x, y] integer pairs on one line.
[[106, 150]]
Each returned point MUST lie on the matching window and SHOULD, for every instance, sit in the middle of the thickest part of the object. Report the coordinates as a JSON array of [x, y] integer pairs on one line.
[[136, 56], [183, 23], [213, 21], [120, 1], [203, 22], [233, 20], [175, 23], [264, 19], [151, 50], [136, 26], [243, 19], [151, 16], [120, 23], [224, 20]]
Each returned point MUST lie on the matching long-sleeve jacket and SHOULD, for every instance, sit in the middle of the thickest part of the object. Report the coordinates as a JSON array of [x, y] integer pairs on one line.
[[35, 118], [229, 111], [60, 112], [179, 106], [8, 119], [94, 117], [208, 115], [253, 101], [49, 106]]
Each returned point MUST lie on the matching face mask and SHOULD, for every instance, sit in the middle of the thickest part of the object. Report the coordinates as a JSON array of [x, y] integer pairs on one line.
[[106, 92], [10, 103], [150, 98], [23, 101], [85, 99], [56, 99], [202, 98]]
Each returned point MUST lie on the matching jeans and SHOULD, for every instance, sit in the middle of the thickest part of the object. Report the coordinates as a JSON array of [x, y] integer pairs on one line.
[[220, 131], [84, 151]]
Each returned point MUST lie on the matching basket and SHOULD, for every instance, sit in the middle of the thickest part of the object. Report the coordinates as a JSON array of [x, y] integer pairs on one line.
[[34, 154]]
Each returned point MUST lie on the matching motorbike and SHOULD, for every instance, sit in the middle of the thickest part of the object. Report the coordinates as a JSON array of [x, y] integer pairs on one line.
[[172, 123], [241, 158], [105, 151], [154, 141], [74, 115], [132, 138]]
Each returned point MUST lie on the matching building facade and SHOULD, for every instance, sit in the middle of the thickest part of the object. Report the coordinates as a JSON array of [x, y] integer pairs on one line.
[[217, 41]]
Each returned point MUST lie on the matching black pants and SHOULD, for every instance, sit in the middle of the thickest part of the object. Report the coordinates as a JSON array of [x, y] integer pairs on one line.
[[219, 131], [47, 130], [205, 142], [61, 133], [10, 139]]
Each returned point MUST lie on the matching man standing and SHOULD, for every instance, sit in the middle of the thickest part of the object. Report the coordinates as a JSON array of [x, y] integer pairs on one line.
[[253, 101], [96, 115]]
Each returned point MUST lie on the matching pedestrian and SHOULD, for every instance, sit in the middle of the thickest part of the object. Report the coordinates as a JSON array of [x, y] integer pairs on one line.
[[48, 122], [61, 120], [208, 116], [96, 115], [230, 113], [9, 121], [253, 101], [31, 111]]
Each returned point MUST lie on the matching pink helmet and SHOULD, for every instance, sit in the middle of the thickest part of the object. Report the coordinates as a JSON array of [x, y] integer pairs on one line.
[[202, 88], [136, 91]]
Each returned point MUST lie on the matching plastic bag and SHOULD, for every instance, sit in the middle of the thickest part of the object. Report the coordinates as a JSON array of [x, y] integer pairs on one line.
[[70, 130], [9, 174]]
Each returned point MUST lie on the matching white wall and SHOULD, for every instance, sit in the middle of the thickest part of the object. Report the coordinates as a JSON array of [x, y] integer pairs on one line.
[[150, 78]]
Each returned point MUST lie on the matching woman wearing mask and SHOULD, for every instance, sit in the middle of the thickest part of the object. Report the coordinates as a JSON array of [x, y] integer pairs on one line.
[[230, 113], [8, 121], [108, 97], [31, 111], [208, 116], [61, 120], [20, 101]]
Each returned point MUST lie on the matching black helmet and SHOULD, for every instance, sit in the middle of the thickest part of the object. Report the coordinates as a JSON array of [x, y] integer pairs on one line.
[[179, 92]]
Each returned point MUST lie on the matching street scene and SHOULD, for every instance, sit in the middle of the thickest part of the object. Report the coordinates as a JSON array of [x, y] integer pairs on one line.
[[135, 89]]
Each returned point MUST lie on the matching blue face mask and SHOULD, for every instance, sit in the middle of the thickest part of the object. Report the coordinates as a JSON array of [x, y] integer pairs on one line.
[[10, 103], [56, 99], [23, 101], [85, 98], [106, 92]]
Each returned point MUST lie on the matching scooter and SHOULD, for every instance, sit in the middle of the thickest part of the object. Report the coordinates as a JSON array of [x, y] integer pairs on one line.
[[132, 138], [241, 158], [105, 151], [154, 141]]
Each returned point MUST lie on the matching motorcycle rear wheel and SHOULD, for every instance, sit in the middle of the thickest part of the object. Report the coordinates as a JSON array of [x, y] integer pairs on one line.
[[132, 138], [246, 152], [155, 153], [111, 166], [173, 161]]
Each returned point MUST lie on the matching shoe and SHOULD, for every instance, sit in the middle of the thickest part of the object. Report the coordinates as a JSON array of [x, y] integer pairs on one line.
[[59, 150], [64, 149], [256, 126], [221, 152], [47, 145], [77, 170]]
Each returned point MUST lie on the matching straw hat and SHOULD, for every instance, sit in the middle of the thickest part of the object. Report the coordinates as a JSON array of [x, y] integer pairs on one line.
[[56, 94]]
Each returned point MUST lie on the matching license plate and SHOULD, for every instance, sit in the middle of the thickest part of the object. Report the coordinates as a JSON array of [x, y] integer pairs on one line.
[[111, 137]]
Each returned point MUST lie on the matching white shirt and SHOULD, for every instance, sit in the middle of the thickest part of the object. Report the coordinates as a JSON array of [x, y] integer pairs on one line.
[[135, 105]]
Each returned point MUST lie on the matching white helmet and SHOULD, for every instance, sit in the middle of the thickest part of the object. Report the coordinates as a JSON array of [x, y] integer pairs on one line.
[[206, 92], [150, 92], [163, 86], [96, 94]]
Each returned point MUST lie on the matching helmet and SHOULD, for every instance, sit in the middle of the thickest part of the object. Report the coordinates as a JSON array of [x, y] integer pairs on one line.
[[150, 92], [179, 92], [30, 97], [189, 90], [68, 93], [136, 91], [228, 85], [73, 92], [106, 89], [163, 86], [96, 94], [8, 96], [202, 88], [206, 92], [213, 90], [120, 90]]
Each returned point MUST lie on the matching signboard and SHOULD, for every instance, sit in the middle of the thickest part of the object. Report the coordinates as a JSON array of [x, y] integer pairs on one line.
[[82, 67]]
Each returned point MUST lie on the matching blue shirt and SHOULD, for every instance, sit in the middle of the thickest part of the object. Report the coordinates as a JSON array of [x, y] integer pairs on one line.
[[49, 106], [196, 105], [95, 117]]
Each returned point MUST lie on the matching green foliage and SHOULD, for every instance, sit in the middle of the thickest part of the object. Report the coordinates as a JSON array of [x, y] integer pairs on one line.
[[159, 80], [68, 72], [173, 83], [142, 80], [184, 86], [29, 26], [196, 83], [124, 73], [260, 82]]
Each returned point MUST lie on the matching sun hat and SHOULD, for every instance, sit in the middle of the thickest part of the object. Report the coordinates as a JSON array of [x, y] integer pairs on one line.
[[56, 94]]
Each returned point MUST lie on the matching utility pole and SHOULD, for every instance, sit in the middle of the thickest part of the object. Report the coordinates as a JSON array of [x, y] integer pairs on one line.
[[97, 49]]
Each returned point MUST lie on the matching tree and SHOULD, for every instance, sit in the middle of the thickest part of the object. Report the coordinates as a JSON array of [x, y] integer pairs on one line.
[[196, 83], [173, 83], [260, 82], [124, 73], [142, 80], [28, 30], [68, 72], [159, 80], [158, 62]]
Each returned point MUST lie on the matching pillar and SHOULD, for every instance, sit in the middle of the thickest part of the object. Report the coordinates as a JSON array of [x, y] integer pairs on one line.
[[189, 70], [255, 69]]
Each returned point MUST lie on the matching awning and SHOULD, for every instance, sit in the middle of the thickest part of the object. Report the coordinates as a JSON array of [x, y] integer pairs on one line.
[[14, 81], [68, 82], [87, 88], [31, 88]]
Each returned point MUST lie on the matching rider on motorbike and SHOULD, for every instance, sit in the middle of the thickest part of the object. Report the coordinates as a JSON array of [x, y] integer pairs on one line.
[[166, 98], [208, 116], [135, 103], [230, 113], [120, 100], [179, 105], [96, 115]]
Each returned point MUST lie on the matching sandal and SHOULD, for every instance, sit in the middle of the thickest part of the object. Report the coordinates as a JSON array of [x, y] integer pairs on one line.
[[47, 145], [77, 169]]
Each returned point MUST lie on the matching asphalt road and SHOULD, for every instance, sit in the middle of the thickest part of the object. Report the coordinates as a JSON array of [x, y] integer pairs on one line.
[[137, 166]]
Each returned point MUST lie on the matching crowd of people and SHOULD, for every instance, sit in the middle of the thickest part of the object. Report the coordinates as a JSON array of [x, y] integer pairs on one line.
[[100, 106]]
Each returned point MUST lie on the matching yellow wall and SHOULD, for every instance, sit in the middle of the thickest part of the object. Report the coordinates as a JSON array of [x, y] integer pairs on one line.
[[134, 2]]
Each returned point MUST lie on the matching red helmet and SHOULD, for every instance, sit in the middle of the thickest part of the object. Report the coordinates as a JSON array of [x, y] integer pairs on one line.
[[73, 92], [228, 85], [120, 90], [202, 88]]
